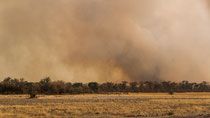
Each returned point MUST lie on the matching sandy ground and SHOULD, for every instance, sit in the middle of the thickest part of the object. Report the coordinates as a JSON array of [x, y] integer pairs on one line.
[[157, 105]]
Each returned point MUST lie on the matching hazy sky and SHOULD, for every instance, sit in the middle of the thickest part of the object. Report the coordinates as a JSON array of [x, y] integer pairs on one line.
[[105, 40]]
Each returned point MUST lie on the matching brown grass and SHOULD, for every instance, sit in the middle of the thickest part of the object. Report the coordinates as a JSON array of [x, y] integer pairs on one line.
[[104, 105]]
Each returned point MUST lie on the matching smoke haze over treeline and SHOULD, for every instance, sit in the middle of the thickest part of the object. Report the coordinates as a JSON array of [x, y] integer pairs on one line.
[[105, 40]]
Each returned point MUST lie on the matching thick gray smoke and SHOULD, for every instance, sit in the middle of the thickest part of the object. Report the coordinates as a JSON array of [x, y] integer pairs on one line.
[[105, 40]]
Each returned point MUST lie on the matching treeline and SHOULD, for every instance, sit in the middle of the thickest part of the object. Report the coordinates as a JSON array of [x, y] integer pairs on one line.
[[47, 86]]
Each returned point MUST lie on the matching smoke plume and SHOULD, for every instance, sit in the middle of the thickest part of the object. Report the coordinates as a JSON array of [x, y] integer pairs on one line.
[[105, 40]]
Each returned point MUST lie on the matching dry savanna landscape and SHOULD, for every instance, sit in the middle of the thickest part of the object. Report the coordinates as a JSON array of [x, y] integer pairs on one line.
[[158, 105], [104, 58]]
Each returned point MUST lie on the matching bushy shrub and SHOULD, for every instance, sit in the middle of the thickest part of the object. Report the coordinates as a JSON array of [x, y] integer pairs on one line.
[[171, 93]]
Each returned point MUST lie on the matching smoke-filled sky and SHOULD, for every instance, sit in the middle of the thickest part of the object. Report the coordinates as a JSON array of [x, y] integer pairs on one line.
[[105, 40]]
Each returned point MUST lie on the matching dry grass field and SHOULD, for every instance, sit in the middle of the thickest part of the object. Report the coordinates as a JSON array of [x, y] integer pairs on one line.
[[103, 105]]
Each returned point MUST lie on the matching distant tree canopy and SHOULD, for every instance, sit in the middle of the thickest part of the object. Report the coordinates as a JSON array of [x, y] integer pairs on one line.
[[47, 86], [93, 86]]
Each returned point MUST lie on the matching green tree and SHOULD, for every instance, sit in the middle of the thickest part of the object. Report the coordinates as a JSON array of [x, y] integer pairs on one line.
[[94, 86], [45, 85]]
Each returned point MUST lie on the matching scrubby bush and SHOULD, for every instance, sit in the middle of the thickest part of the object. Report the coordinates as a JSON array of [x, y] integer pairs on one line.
[[47, 86], [170, 92]]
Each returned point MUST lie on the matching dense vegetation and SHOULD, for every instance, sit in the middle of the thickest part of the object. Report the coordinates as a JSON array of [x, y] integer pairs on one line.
[[47, 86]]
